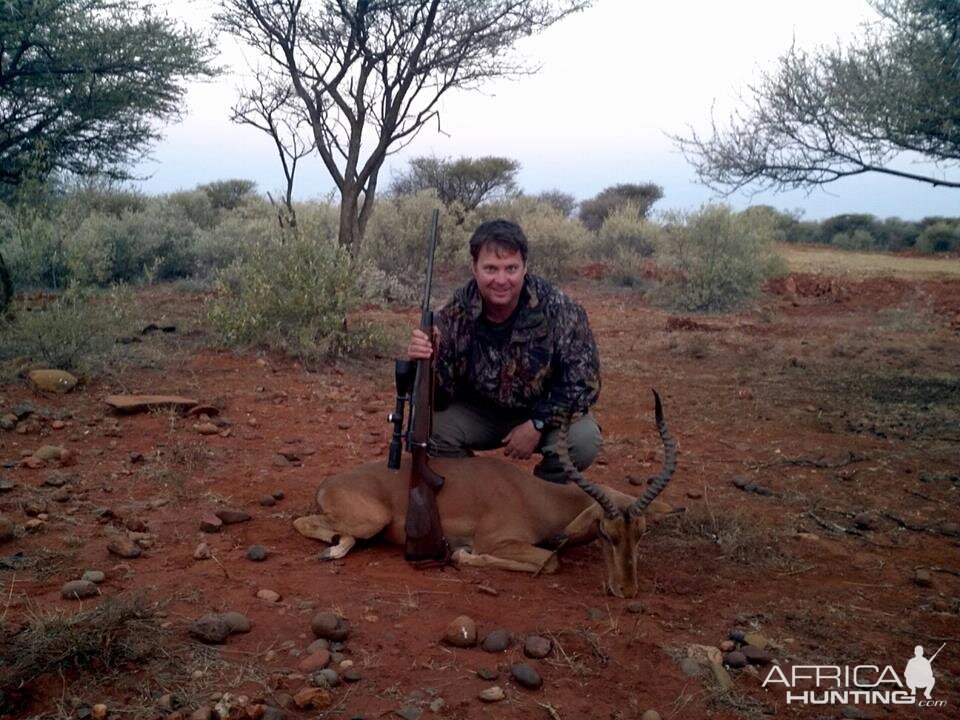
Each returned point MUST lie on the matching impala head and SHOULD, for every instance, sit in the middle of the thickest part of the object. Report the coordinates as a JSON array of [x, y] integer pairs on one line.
[[620, 528]]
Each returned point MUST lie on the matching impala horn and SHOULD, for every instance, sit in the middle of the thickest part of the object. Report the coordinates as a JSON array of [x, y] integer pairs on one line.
[[669, 464]]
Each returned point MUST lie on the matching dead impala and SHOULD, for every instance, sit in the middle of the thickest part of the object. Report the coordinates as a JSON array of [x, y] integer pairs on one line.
[[494, 513]]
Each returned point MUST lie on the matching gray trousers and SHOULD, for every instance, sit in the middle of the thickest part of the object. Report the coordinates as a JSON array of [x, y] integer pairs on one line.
[[463, 427]]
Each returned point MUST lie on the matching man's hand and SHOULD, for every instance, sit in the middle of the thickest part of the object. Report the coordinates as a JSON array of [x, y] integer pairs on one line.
[[521, 441], [420, 347]]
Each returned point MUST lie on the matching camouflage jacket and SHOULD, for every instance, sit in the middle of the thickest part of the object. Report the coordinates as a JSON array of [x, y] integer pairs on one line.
[[548, 367]]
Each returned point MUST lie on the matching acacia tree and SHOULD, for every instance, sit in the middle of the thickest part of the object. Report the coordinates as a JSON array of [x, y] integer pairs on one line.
[[468, 181], [819, 117], [85, 84], [369, 74]]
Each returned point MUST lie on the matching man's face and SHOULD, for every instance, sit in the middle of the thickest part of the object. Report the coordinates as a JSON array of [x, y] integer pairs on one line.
[[499, 275]]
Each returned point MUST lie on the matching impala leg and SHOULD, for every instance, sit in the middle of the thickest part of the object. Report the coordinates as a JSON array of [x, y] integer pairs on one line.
[[318, 528], [510, 555], [583, 528]]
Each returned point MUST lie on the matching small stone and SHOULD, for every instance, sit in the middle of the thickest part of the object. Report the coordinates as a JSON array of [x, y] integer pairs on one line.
[[268, 501], [32, 508], [98, 711], [270, 596], [7, 529], [124, 547], [79, 589], [135, 525], [487, 674], [352, 675], [526, 676], [211, 524], [55, 479], [49, 453], [728, 646], [595, 614], [94, 576], [231, 517], [330, 626], [735, 659], [55, 381], [314, 662], [650, 715], [60, 495], [204, 712], [278, 495], [238, 622], [691, 667], [756, 639], [290, 453], [737, 636], [756, 656], [461, 632], [492, 694], [537, 647], [206, 428], [865, 521], [318, 644], [409, 712], [496, 641], [329, 677], [210, 629], [740, 482], [635, 607], [202, 552], [922, 578], [257, 553]]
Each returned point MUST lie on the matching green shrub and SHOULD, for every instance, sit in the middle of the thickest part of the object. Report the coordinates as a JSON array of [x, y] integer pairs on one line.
[[594, 211], [716, 260], [224, 243], [625, 230], [33, 246], [293, 297], [77, 331], [858, 239], [194, 205], [229, 194], [941, 236]]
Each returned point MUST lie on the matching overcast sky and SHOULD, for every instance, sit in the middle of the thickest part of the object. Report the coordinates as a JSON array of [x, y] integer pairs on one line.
[[614, 82]]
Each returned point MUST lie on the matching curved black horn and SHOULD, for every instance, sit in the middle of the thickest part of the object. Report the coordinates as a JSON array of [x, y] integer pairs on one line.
[[563, 453], [669, 463]]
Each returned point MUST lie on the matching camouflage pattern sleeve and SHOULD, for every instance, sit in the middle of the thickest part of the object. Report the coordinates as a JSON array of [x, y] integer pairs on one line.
[[576, 373], [445, 320]]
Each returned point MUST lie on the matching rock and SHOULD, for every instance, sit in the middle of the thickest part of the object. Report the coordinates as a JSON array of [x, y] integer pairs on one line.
[[56, 479], [268, 501], [232, 517], [330, 626], [311, 698], [124, 546], [756, 639], [257, 553], [55, 381], [238, 622], [204, 712], [735, 659], [211, 524], [79, 589], [650, 715], [60, 495], [143, 403], [461, 632], [98, 711], [94, 576], [922, 578], [50, 453], [947, 527], [740, 482], [318, 644], [409, 712], [635, 607], [595, 614], [728, 646], [290, 453], [496, 641], [487, 674], [865, 521], [202, 552], [537, 647], [737, 636], [314, 661], [691, 667], [327, 678], [34, 507], [278, 495], [135, 525], [526, 676], [756, 656], [492, 694], [855, 713], [352, 675], [270, 596], [210, 629], [206, 428], [8, 421], [7, 529]]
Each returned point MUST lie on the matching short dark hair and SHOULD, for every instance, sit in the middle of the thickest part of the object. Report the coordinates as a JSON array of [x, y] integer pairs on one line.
[[499, 233]]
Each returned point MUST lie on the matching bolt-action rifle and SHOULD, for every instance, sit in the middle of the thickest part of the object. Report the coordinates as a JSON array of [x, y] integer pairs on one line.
[[425, 544]]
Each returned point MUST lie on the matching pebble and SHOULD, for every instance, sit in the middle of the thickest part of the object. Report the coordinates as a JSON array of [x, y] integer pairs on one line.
[[728, 646], [352, 675], [270, 596], [735, 659], [98, 711], [650, 715], [7, 529], [922, 578], [496, 641], [330, 677], [206, 428], [314, 661], [756, 639], [330, 626], [865, 521], [756, 656], [202, 552], [278, 495], [55, 479], [238, 622], [537, 647], [409, 712], [635, 607], [461, 632], [257, 553], [94, 576], [487, 674], [124, 547], [690, 667], [526, 676], [740, 482], [79, 589], [268, 501], [210, 629], [60, 495], [595, 614], [231, 517], [492, 694], [318, 644], [737, 636], [211, 524]]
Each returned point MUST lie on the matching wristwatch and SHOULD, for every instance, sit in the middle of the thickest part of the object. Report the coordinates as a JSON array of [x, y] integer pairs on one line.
[[538, 424]]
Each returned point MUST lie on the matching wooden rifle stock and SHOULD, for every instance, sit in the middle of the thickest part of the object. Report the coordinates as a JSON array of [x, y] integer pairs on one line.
[[425, 543]]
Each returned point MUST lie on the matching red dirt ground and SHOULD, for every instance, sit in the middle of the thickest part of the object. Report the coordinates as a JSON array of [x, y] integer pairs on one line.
[[838, 396]]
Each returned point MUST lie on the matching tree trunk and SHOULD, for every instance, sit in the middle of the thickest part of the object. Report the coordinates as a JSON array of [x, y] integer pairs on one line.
[[350, 235], [6, 286]]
